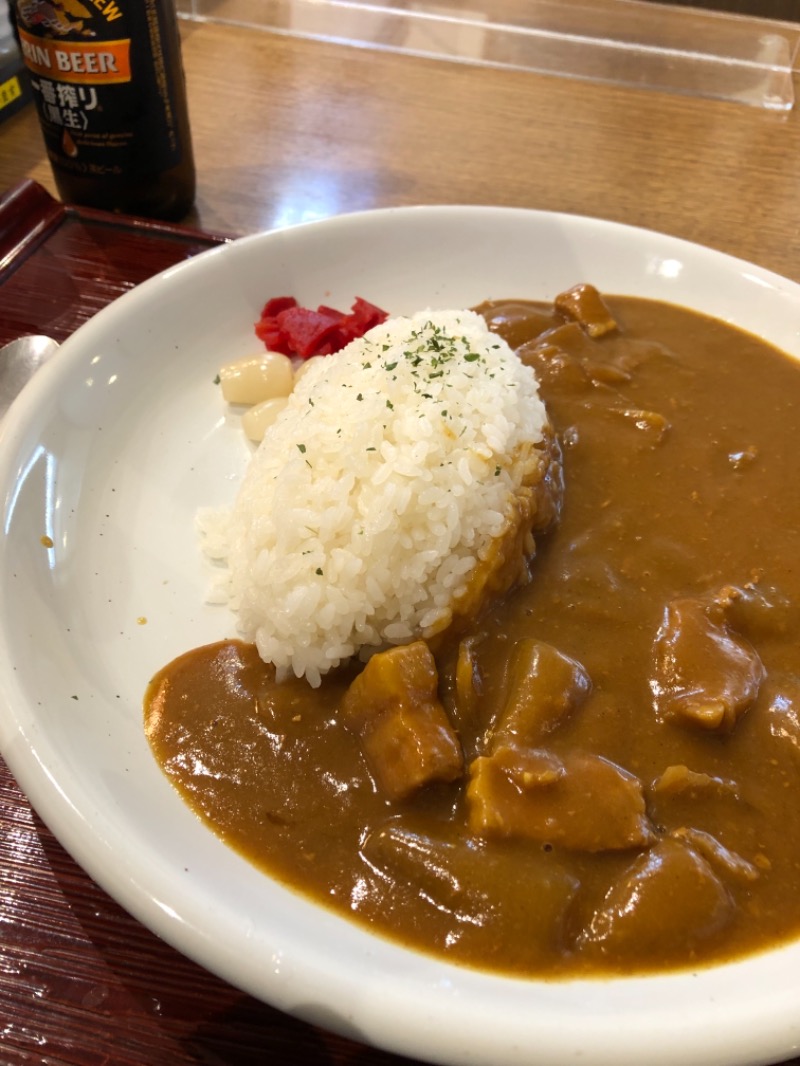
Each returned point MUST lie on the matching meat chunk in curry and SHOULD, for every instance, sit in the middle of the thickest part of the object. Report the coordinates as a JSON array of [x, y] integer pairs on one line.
[[704, 673], [584, 304], [581, 801]]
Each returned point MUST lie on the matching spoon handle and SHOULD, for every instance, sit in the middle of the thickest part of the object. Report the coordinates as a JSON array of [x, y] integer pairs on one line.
[[19, 361]]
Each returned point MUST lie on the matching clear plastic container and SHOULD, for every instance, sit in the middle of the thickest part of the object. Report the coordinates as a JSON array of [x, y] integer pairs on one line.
[[623, 42]]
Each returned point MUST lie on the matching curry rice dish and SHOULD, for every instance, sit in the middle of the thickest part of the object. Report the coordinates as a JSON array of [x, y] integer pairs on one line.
[[589, 772]]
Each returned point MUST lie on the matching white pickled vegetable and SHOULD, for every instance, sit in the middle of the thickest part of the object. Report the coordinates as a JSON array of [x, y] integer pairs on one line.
[[257, 378], [258, 418]]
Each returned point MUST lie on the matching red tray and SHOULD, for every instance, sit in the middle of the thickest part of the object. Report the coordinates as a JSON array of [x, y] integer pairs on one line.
[[82, 983], [60, 264]]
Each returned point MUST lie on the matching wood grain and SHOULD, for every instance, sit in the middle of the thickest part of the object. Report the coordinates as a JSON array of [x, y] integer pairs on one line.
[[287, 130], [60, 264]]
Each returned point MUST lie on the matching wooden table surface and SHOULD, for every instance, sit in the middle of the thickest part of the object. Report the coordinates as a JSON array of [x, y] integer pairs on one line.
[[287, 130]]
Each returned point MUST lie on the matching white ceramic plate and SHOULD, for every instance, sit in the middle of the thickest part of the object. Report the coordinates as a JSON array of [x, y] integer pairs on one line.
[[110, 451]]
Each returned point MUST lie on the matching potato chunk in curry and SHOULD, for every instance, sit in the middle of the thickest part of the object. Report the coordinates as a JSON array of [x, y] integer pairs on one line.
[[393, 707], [543, 687]]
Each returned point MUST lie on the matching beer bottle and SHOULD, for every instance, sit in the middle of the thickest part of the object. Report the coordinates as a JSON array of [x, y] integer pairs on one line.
[[108, 81]]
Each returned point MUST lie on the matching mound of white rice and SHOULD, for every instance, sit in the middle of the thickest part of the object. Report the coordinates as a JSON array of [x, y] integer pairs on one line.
[[372, 498]]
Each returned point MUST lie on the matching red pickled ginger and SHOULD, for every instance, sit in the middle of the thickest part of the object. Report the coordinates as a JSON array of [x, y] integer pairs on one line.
[[286, 327]]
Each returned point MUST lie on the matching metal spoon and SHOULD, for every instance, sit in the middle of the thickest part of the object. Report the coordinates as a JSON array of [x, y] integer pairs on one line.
[[19, 361]]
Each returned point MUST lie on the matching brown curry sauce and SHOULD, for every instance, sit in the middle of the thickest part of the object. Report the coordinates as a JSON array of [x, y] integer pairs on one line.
[[644, 819]]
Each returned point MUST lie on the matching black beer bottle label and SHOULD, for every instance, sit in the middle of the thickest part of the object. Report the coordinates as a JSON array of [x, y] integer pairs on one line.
[[102, 85]]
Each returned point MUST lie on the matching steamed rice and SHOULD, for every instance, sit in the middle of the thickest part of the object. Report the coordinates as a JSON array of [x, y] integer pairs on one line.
[[367, 508]]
